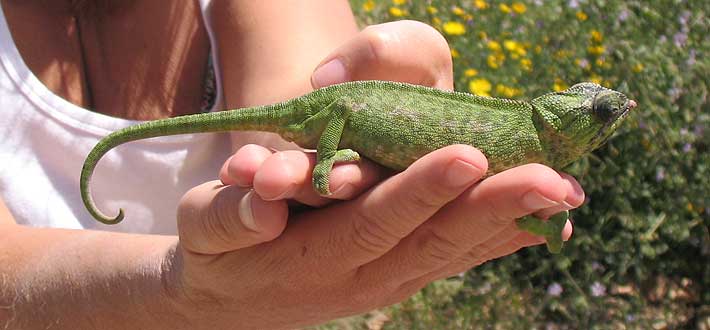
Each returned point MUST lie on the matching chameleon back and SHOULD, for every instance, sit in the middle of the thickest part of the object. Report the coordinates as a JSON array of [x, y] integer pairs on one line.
[[397, 128]]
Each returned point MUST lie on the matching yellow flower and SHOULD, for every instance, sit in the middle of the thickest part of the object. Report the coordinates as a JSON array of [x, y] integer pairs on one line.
[[454, 28], [581, 16], [506, 91], [481, 4], [538, 49], [526, 64], [596, 36], [562, 54], [397, 12], [470, 72], [504, 8], [494, 46], [399, 2], [495, 60], [519, 7], [637, 68], [483, 35], [436, 21], [369, 5], [596, 50], [458, 11], [480, 86], [514, 47], [559, 85], [432, 10], [455, 53], [595, 79]]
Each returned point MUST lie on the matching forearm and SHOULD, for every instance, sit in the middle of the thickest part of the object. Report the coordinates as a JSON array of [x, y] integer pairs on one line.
[[5, 215], [268, 49], [70, 279]]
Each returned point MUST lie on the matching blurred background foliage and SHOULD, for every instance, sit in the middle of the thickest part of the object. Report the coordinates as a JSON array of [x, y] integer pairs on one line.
[[640, 255]]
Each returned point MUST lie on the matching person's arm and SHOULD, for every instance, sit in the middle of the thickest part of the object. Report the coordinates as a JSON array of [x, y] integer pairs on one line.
[[72, 279], [268, 50], [6, 217]]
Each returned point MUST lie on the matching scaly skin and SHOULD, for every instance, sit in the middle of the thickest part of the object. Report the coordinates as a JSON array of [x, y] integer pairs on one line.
[[394, 124]]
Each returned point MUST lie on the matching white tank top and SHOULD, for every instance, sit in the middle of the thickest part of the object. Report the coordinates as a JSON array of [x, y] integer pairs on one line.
[[44, 140]]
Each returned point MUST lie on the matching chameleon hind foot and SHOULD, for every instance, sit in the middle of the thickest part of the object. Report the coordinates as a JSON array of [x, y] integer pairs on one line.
[[321, 172], [550, 229]]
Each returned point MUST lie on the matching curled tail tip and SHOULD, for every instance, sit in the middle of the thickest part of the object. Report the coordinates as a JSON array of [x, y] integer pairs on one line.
[[110, 221]]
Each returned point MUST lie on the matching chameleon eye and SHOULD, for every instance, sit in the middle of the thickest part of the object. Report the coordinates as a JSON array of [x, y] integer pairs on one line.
[[606, 106]]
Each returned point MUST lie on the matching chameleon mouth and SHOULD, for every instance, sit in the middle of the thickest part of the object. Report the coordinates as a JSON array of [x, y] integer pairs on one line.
[[630, 104], [606, 131]]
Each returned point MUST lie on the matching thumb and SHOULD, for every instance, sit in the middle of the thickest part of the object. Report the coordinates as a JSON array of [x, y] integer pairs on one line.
[[213, 218], [405, 51]]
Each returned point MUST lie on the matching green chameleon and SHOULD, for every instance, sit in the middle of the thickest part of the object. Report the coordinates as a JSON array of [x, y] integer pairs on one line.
[[393, 124]]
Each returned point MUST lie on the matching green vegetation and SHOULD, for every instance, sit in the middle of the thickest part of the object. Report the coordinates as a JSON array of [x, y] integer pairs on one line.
[[640, 256]]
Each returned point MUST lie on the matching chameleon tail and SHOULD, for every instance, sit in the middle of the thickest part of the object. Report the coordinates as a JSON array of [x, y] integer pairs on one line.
[[266, 118], [86, 171]]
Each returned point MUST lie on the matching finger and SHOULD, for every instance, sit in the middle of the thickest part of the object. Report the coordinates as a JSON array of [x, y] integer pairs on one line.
[[241, 167], [508, 242], [405, 51], [477, 216], [213, 218], [368, 227], [575, 197], [287, 175]]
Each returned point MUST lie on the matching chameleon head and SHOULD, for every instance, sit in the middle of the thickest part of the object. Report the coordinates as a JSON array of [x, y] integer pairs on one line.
[[585, 114]]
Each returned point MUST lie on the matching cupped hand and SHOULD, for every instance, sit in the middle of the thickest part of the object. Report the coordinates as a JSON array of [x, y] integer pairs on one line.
[[428, 222]]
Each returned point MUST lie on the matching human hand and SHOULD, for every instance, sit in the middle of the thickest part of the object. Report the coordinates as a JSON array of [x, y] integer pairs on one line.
[[425, 223]]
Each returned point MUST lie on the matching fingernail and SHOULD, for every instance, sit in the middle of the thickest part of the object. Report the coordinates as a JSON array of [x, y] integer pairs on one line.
[[461, 173], [330, 73], [245, 212], [567, 206], [285, 194], [534, 201]]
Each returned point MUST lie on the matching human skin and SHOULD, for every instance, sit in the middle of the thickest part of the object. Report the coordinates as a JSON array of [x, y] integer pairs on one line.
[[350, 257], [336, 260]]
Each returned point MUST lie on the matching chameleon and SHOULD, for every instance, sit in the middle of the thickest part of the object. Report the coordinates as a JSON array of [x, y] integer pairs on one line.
[[394, 124]]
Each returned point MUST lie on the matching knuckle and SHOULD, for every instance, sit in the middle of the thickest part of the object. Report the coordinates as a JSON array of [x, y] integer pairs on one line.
[[436, 249], [370, 235], [475, 256], [424, 200], [219, 227], [495, 215], [378, 42]]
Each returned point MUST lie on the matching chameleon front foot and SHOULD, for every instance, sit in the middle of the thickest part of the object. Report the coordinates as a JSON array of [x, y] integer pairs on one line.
[[321, 172], [550, 229]]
